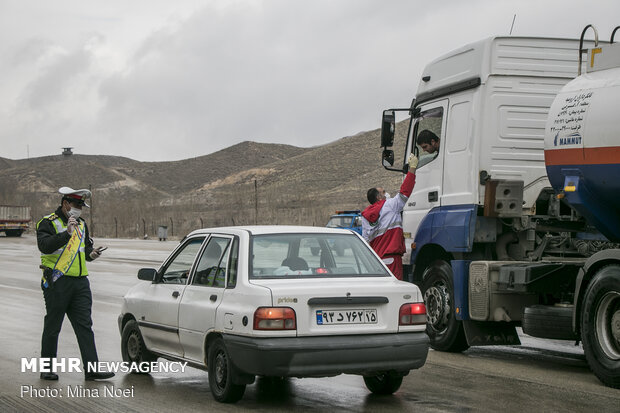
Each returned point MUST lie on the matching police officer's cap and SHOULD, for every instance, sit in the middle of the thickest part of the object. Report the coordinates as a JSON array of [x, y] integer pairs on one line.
[[75, 195]]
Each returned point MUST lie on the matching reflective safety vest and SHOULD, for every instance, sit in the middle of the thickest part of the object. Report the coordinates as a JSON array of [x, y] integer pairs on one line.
[[78, 267]]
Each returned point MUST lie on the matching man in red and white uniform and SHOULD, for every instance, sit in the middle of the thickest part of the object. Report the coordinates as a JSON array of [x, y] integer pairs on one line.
[[382, 224]]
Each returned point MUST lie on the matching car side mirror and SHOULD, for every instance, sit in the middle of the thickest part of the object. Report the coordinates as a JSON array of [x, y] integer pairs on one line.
[[147, 274], [388, 158], [388, 125]]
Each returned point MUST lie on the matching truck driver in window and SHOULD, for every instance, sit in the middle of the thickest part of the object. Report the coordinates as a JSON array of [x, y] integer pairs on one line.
[[429, 142]]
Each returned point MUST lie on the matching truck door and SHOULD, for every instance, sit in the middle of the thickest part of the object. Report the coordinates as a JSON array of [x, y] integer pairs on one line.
[[430, 124]]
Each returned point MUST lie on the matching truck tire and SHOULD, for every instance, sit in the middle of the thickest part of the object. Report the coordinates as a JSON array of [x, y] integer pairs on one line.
[[221, 374], [14, 232], [600, 325], [446, 333], [545, 321]]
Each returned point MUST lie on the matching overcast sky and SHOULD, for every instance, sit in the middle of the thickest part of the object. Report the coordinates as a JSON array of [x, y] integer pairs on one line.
[[158, 80]]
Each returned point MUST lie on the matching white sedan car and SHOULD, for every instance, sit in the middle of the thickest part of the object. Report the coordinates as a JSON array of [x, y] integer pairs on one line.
[[248, 301]]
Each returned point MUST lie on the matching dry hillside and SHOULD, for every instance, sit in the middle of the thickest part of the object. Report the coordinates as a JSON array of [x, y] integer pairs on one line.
[[244, 184]]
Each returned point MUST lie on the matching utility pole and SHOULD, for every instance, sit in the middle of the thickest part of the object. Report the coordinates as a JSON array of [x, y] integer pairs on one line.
[[255, 202], [92, 211]]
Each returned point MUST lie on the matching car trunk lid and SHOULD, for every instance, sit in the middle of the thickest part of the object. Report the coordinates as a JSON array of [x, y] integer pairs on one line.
[[337, 306]]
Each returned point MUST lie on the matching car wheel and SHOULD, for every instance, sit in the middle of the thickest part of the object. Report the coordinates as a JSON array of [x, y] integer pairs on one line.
[[600, 325], [383, 383], [133, 348], [446, 333], [220, 374]]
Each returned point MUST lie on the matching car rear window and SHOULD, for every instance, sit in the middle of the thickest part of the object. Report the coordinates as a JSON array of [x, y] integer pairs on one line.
[[312, 255]]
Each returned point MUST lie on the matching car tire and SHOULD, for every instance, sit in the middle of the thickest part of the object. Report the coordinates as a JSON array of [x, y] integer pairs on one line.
[[221, 374], [133, 349], [600, 325], [383, 383], [446, 333]]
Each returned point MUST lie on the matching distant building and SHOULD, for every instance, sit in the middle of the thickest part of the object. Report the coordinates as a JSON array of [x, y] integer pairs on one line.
[[67, 151]]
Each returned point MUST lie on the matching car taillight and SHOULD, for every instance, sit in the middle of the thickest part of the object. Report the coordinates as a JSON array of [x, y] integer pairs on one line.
[[412, 314], [275, 318]]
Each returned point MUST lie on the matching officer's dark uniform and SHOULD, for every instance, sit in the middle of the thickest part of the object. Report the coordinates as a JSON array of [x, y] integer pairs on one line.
[[70, 294]]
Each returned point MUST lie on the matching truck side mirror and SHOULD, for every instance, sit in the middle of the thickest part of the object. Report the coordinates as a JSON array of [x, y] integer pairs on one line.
[[147, 274], [388, 158], [388, 125]]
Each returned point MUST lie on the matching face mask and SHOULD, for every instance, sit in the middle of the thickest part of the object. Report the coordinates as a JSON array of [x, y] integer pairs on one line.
[[74, 212], [387, 196]]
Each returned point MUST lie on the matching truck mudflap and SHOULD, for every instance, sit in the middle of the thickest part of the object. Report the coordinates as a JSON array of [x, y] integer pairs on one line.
[[490, 333]]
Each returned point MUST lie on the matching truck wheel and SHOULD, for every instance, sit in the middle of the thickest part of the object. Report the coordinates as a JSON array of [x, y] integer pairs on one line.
[[220, 374], [600, 325], [546, 321], [14, 232], [383, 383], [446, 333], [133, 348]]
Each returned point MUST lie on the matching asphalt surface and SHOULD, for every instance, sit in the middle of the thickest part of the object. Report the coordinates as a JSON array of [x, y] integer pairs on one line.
[[537, 376]]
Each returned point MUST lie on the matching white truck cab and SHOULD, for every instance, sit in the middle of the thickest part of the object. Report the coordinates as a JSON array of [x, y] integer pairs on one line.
[[487, 102]]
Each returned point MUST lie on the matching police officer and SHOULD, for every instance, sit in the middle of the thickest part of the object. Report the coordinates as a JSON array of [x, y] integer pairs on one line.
[[62, 238]]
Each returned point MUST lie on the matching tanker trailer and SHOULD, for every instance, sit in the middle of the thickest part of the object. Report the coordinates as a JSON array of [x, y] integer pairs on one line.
[[582, 157]]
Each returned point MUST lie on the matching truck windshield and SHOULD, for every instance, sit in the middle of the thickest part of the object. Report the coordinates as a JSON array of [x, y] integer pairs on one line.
[[286, 256], [340, 222]]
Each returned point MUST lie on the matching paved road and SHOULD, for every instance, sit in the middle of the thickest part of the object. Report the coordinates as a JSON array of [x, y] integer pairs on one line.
[[538, 376]]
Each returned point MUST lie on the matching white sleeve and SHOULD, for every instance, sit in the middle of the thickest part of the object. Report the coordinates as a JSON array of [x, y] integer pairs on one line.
[[365, 228], [395, 204]]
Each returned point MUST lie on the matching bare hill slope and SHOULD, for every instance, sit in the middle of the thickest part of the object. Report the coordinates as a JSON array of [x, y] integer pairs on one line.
[[246, 183]]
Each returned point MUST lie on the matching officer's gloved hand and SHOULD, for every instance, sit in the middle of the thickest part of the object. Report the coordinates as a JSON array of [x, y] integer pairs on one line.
[[413, 162], [71, 224]]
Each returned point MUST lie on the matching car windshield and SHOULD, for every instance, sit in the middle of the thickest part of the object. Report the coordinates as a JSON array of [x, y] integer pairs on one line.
[[313, 255], [339, 222]]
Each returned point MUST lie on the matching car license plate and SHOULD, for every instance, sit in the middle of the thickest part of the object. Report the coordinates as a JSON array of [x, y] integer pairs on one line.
[[368, 316]]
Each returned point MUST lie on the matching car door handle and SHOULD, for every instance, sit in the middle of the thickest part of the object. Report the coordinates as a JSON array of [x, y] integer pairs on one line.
[[175, 294], [433, 196], [213, 297]]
